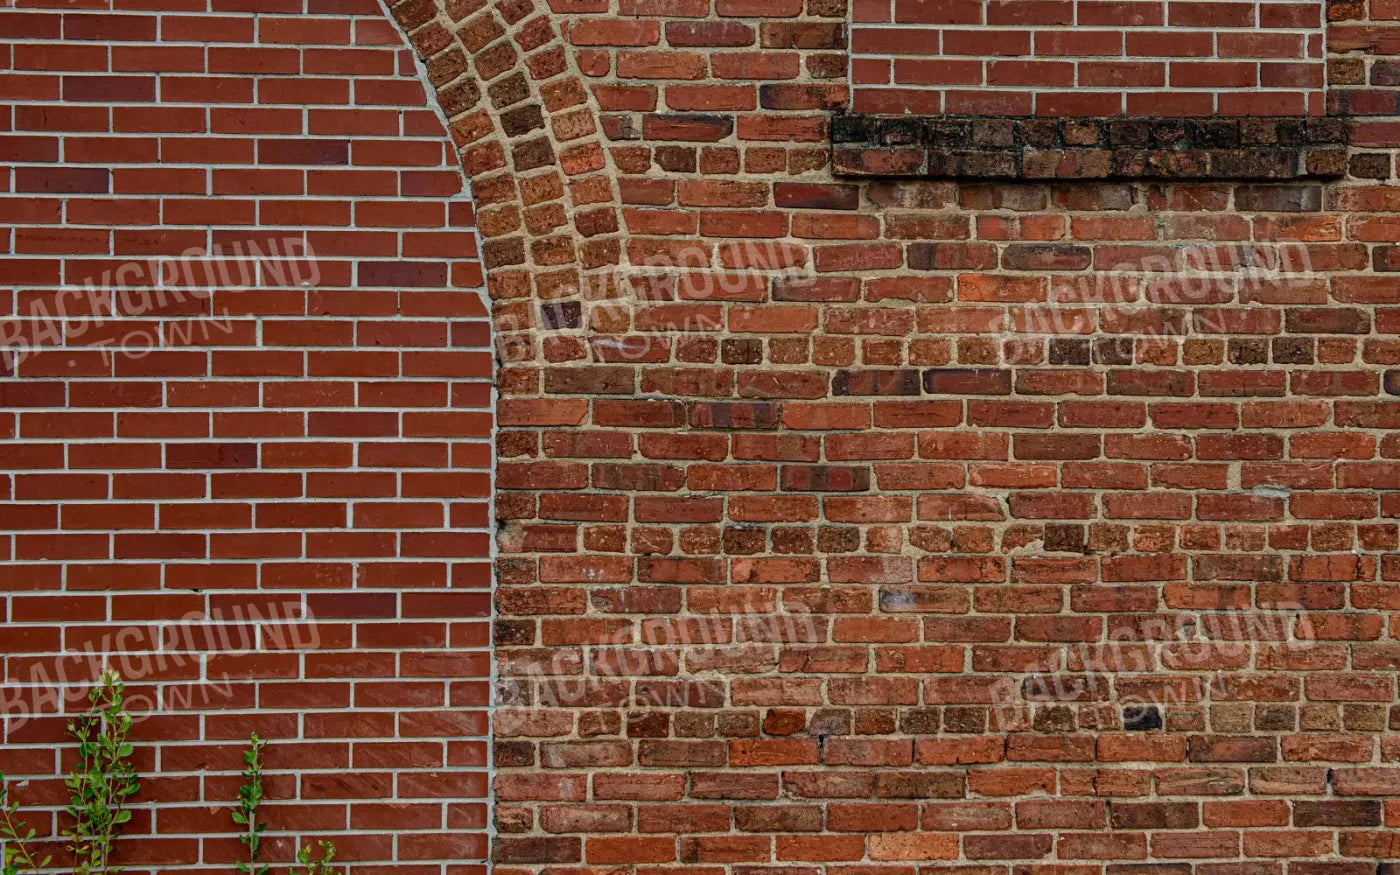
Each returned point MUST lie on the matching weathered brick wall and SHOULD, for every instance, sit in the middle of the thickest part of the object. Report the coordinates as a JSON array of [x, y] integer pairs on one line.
[[825, 570], [1088, 57], [866, 526], [261, 491]]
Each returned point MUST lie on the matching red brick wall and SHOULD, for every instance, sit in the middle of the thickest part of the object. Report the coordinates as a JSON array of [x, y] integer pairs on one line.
[[276, 477], [1087, 57], [840, 523]]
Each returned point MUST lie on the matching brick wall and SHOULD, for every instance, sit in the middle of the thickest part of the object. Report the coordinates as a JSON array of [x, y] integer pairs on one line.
[[1087, 57], [262, 489], [868, 527]]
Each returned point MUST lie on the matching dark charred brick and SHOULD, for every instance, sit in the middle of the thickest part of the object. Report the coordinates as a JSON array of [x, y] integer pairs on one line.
[[755, 415], [522, 120], [851, 129], [1370, 165], [532, 155], [1275, 719], [509, 754], [1293, 350], [1338, 812], [1046, 256], [537, 849], [1153, 815], [964, 720], [741, 351], [994, 133], [1069, 351], [1084, 132], [1065, 538], [1254, 163], [1248, 352], [1113, 351], [1142, 718], [1327, 320], [1054, 718], [676, 159], [944, 134], [825, 478], [509, 91], [503, 251], [989, 165], [875, 383], [1326, 163], [1130, 133], [920, 721], [901, 132], [1278, 198], [838, 539], [1041, 133], [918, 785], [514, 633], [1171, 134]]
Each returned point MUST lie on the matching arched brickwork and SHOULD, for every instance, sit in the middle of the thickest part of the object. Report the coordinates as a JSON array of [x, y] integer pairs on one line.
[[844, 526], [859, 559], [530, 142]]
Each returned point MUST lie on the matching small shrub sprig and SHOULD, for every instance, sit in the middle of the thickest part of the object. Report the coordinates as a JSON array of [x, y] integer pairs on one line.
[[16, 837], [250, 797], [246, 814], [101, 787], [105, 779], [316, 867]]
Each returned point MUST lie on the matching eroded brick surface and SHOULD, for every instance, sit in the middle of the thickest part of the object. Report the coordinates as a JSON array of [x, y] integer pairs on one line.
[[886, 525]]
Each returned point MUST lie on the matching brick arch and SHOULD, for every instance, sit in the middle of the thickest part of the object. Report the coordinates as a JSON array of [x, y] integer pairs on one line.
[[531, 144]]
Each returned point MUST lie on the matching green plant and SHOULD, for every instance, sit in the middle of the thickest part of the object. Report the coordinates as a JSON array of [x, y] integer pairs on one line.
[[105, 779], [246, 814], [250, 797], [316, 867], [16, 837], [101, 786]]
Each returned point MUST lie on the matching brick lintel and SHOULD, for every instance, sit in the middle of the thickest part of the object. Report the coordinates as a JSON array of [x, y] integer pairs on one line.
[[950, 147]]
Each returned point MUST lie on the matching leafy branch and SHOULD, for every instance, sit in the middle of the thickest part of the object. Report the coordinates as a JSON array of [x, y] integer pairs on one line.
[[16, 835], [250, 797], [105, 778], [246, 814], [103, 784], [316, 867]]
